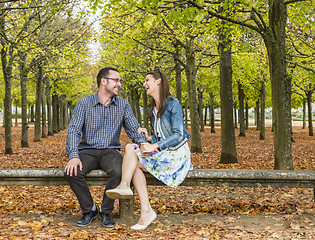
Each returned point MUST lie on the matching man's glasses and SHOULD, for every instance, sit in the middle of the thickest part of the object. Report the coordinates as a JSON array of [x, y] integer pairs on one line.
[[117, 80]]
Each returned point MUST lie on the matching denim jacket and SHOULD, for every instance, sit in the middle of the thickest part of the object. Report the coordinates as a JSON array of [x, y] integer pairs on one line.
[[171, 125]]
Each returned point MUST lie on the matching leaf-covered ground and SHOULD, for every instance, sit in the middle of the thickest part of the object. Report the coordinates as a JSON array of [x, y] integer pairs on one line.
[[50, 212]]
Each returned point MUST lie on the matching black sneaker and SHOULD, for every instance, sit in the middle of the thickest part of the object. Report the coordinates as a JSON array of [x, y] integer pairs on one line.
[[87, 218], [107, 220]]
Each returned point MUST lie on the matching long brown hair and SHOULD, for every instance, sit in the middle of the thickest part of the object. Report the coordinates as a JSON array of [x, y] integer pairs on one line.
[[164, 92]]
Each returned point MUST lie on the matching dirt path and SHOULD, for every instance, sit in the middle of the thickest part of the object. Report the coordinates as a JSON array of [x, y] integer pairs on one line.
[[198, 226]]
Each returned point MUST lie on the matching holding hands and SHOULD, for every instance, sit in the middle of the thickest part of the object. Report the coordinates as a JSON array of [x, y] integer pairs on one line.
[[145, 131], [146, 148]]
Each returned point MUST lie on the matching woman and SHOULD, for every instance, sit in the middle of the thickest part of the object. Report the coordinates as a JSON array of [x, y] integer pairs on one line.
[[167, 156]]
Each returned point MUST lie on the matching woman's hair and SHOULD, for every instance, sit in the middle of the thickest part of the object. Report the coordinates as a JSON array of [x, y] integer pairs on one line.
[[164, 92]]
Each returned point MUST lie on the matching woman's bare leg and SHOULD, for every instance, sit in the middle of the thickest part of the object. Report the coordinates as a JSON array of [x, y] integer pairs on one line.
[[139, 181], [129, 166]]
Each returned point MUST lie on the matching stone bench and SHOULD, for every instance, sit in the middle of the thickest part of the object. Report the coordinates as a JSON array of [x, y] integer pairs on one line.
[[196, 177]]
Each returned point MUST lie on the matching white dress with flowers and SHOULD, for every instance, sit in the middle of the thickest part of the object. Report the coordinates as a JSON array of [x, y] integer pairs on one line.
[[169, 166]]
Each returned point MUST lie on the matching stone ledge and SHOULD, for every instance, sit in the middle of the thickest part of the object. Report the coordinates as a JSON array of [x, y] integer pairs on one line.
[[196, 177]]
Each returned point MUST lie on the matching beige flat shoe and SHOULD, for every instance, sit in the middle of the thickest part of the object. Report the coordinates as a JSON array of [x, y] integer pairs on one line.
[[119, 193], [142, 227]]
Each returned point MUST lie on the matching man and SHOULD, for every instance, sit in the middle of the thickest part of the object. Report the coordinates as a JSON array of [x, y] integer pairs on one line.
[[99, 119]]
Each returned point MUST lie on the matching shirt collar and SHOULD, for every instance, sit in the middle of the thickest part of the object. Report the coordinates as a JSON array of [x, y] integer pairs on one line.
[[97, 99]]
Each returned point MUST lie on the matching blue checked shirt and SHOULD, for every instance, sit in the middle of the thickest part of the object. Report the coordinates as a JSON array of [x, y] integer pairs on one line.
[[99, 126]]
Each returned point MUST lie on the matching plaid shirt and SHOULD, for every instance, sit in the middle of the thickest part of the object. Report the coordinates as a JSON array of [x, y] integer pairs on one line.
[[99, 126]]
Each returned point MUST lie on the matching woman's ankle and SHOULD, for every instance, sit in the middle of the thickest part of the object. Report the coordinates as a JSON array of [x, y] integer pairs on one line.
[[146, 210], [123, 185]]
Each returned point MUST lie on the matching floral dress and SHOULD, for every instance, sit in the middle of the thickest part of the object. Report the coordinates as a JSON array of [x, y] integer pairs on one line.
[[170, 167]]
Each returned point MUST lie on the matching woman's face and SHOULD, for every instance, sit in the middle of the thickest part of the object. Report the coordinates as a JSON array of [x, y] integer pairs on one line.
[[151, 85]]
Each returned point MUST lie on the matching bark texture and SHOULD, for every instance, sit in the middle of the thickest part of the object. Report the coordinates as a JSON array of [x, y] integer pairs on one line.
[[193, 106], [275, 40], [228, 150]]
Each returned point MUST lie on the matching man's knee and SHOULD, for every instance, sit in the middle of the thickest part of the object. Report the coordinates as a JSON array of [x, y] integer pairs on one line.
[[74, 177]]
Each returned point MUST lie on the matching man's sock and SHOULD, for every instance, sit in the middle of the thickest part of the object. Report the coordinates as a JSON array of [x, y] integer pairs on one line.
[[94, 208]]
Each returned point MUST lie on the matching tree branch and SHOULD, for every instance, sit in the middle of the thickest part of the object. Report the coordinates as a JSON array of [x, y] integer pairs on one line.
[[262, 23], [294, 1], [214, 14], [301, 66]]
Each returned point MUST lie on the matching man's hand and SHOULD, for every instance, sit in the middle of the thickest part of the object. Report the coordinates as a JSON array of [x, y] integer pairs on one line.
[[145, 131], [72, 166]]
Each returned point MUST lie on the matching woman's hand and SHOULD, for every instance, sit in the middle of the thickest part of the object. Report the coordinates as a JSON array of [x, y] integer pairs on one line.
[[146, 148], [145, 131]]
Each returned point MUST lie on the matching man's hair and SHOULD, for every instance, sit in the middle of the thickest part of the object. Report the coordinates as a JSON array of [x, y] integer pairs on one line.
[[103, 73]]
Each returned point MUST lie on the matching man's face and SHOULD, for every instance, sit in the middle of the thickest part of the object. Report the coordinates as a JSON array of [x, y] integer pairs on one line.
[[112, 82]]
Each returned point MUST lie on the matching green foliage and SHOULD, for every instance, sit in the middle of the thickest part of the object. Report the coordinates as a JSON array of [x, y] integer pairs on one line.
[[140, 35], [49, 35]]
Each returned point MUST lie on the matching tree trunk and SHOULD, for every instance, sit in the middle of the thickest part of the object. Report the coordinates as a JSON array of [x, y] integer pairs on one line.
[[200, 108], [186, 112], [44, 134], [241, 97], [37, 130], [246, 115], [135, 102], [23, 81], [262, 112], [66, 109], [132, 100], [191, 71], [210, 116], [7, 66], [304, 113], [228, 150], [138, 107], [212, 123], [16, 113], [59, 113], [235, 114], [48, 102], [145, 113], [62, 112], [28, 113], [3, 124], [55, 113], [178, 75], [309, 108], [280, 85], [71, 108], [32, 113], [205, 117], [257, 115]]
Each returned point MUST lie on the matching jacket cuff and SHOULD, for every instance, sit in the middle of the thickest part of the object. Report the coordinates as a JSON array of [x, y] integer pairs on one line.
[[161, 145]]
